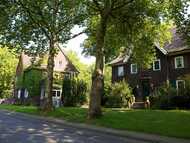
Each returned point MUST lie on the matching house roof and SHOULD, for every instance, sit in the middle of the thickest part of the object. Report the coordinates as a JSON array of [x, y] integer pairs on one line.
[[175, 46], [177, 43], [66, 66]]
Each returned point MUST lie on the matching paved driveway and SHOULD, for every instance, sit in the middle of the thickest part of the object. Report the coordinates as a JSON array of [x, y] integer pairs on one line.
[[15, 128]]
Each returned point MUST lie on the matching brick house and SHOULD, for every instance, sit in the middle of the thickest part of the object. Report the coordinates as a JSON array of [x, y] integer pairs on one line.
[[172, 62], [29, 65]]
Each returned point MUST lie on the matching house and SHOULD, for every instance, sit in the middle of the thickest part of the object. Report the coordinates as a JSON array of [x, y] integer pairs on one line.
[[31, 77], [172, 62]]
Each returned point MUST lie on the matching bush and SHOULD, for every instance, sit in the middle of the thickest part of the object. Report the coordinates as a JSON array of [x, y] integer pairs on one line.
[[167, 97], [74, 92], [121, 95], [113, 101]]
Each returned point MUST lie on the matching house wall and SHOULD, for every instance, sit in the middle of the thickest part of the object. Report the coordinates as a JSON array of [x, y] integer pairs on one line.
[[156, 78], [60, 62], [177, 73]]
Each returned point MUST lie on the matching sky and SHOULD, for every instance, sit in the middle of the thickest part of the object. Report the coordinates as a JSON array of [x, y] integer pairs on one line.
[[75, 45]]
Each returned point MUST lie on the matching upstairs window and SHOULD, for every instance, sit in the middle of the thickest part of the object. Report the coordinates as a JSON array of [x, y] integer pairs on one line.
[[179, 62], [156, 65], [133, 68], [60, 63], [120, 71]]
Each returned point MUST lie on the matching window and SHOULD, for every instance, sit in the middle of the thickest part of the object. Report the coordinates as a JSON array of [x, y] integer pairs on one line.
[[56, 93], [179, 63], [180, 84], [120, 71], [60, 63], [156, 65], [133, 68]]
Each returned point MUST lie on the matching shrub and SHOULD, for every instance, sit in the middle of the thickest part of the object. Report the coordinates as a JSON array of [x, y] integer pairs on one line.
[[121, 95], [167, 97], [106, 94], [113, 101], [74, 92]]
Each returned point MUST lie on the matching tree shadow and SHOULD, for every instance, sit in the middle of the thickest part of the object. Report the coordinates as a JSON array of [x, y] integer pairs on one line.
[[15, 128]]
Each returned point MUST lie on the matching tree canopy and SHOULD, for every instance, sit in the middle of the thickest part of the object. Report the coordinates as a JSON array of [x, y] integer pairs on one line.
[[7, 71], [130, 24], [40, 26], [180, 12]]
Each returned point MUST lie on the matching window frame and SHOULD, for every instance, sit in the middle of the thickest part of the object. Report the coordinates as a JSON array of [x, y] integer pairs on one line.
[[175, 60], [118, 71], [177, 83], [159, 61], [132, 69]]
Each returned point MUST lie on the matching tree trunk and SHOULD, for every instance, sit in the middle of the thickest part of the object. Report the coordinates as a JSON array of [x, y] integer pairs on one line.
[[48, 106], [97, 77]]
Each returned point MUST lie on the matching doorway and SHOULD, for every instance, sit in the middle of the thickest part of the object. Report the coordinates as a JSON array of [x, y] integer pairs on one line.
[[145, 88]]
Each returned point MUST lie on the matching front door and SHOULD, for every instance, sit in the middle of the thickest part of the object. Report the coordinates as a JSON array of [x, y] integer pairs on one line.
[[145, 88]]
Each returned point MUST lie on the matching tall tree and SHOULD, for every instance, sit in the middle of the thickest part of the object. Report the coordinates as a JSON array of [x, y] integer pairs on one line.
[[133, 24], [39, 26]]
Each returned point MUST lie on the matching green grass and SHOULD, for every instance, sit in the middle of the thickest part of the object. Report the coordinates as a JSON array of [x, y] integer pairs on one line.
[[175, 123]]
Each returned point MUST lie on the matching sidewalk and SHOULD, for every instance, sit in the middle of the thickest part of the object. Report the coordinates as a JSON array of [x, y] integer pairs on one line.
[[149, 138]]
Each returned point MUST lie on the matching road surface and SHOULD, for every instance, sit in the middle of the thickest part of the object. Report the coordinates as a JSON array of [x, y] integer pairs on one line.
[[15, 128]]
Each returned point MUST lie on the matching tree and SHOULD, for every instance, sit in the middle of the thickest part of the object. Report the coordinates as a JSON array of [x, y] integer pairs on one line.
[[84, 69], [7, 71], [40, 26], [133, 24], [180, 12]]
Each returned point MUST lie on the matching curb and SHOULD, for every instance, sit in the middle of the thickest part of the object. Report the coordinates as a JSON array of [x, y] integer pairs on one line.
[[127, 134]]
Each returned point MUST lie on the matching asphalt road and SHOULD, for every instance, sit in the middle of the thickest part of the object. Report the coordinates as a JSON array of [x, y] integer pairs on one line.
[[15, 128]]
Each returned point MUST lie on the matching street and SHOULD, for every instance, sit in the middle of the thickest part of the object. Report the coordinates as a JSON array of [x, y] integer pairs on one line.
[[17, 129]]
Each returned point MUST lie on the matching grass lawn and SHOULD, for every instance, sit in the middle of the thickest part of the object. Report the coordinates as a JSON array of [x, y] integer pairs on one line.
[[174, 123]]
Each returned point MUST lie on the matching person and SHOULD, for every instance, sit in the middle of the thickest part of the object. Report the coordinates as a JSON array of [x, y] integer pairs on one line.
[[147, 103]]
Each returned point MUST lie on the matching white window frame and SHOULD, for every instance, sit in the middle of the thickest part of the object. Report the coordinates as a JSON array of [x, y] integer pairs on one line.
[[175, 60], [177, 83], [132, 72], [119, 72], [56, 90], [157, 60]]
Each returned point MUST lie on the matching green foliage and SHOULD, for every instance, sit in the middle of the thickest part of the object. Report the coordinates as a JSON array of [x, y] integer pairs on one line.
[[121, 95], [84, 69], [74, 92], [8, 63], [168, 97], [180, 12], [134, 25], [32, 79], [36, 23], [187, 84]]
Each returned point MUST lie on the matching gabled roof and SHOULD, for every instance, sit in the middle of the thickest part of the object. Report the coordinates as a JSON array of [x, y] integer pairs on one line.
[[66, 64], [122, 58], [175, 46], [177, 43]]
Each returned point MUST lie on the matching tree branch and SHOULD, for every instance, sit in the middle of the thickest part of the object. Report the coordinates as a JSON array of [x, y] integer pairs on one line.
[[97, 5], [74, 36], [33, 19], [125, 3]]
